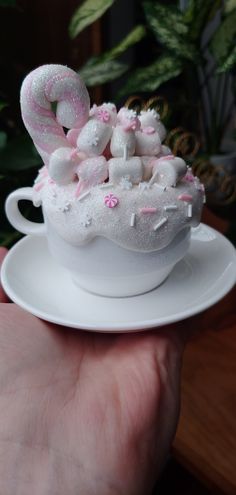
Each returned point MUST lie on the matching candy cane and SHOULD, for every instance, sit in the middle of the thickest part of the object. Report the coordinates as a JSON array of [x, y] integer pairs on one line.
[[47, 84]]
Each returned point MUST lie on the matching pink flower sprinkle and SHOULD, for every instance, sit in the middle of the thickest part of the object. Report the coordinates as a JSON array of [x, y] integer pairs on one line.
[[103, 115], [189, 177], [111, 200]]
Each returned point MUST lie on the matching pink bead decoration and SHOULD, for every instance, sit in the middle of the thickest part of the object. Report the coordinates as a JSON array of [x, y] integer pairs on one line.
[[111, 200]]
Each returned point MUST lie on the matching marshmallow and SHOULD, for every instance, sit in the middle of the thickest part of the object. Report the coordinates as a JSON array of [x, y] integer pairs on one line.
[[62, 166], [119, 168], [168, 171], [123, 136], [91, 172], [97, 132]]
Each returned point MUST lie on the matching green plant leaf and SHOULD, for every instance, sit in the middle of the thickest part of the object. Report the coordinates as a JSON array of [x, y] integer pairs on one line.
[[166, 23], [3, 140], [3, 104], [19, 154], [86, 14], [224, 39], [7, 3], [103, 68], [228, 63], [148, 79], [136, 35], [97, 72], [230, 5], [197, 15]]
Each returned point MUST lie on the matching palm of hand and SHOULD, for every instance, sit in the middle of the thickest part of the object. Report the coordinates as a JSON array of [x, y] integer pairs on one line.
[[91, 408]]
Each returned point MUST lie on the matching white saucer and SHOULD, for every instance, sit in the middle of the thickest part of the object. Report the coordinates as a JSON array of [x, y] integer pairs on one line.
[[34, 281]]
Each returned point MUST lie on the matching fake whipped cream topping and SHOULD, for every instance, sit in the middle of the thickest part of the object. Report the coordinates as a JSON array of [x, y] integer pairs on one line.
[[109, 175]]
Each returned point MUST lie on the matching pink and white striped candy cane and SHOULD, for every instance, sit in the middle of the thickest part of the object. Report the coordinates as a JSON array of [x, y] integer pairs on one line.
[[47, 84]]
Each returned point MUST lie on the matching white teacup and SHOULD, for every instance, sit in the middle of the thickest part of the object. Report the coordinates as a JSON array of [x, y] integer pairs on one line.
[[101, 266]]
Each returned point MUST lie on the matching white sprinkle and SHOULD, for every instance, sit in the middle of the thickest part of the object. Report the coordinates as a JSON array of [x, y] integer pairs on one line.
[[204, 199], [162, 188], [159, 224], [170, 207], [80, 198], [190, 211], [125, 152], [132, 220], [66, 207], [144, 185], [106, 185], [153, 178]]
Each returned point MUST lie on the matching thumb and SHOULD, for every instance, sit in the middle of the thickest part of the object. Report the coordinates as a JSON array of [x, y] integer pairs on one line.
[[3, 296]]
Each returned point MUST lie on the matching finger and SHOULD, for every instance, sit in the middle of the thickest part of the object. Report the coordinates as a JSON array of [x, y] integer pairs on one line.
[[3, 296]]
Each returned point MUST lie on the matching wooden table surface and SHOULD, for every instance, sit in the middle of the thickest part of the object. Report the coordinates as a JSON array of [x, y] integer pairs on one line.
[[206, 437]]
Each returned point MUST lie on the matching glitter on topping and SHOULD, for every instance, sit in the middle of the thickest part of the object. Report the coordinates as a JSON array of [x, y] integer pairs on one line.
[[170, 207], [159, 224], [189, 211], [83, 196], [111, 200], [133, 220], [125, 183], [185, 197], [148, 210]]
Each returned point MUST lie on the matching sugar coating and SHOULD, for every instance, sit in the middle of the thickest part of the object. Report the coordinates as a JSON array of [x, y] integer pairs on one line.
[[123, 224]]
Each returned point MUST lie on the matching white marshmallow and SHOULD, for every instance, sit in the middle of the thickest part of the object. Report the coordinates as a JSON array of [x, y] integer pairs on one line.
[[131, 168], [61, 166], [168, 172]]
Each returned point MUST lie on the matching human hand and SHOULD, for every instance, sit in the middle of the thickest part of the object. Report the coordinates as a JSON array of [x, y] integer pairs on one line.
[[84, 413]]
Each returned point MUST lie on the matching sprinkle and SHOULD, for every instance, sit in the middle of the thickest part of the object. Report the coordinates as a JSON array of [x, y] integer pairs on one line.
[[189, 177], [66, 207], [162, 188], [148, 210], [125, 183], [190, 209], [39, 186], [125, 152], [185, 197], [170, 207], [159, 224], [107, 185], [87, 193], [111, 200], [132, 220], [144, 185], [87, 222], [204, 199]]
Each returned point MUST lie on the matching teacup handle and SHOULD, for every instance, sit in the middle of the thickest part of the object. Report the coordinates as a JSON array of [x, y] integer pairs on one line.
[[16, 218]]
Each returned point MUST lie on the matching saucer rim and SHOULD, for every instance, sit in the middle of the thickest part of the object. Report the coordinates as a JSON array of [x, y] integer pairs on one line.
[[112, 327]]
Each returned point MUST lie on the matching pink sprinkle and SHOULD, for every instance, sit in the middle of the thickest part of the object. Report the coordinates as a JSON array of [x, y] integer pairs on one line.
[[51, 181], [148, 210], [111, 200], [185, 197], [148, 130], [38, 186], [103, 115], [189, 177]]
